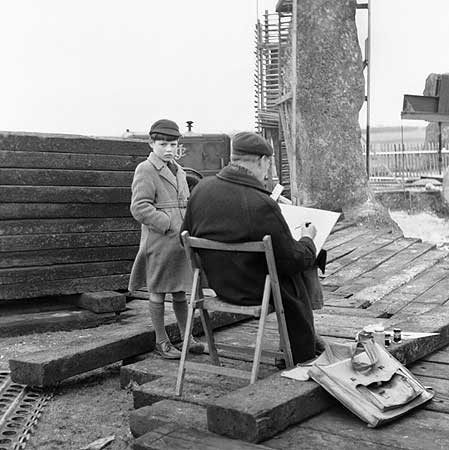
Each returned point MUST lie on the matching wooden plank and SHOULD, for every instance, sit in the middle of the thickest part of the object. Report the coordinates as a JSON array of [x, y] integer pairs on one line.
[[65, 256], [48, 321], [441, 356], [402, 259], [67, 240], [438, 293], [373, 293], [443, 100], [76, 161], [174, 437], [29, 275], [394, 302], [62, 210], [403, 296], [48, 367], [98, 302], [199, 388], [390, 304], [338, 426], [262, 410], [64, 287], [349, 247], [440, 402], [154, 367], [413, 309], [340, 237], [369, 262], [343, 326], [343, 311], [361, 249], [431, 369], [64, 194], [148, 418], [59, 177], [66, 143], [57, 226]]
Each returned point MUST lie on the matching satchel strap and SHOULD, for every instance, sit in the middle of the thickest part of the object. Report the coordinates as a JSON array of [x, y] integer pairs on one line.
[[370, 348]]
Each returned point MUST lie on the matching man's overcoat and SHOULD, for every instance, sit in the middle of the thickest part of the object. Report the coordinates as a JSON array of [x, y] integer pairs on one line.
[[159, 200], [235, 207]]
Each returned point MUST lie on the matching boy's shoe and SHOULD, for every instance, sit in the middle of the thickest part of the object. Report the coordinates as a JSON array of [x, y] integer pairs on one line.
[[195, 347], [167, 350]]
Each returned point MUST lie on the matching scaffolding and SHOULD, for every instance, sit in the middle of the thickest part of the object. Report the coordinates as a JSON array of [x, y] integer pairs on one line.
[[272, 36], [271, 40]]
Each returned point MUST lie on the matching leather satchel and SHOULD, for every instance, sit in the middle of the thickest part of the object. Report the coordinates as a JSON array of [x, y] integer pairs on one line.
[[369, 381]]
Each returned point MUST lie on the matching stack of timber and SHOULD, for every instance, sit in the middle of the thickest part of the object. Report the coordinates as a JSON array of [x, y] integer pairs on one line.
[[65, 225]]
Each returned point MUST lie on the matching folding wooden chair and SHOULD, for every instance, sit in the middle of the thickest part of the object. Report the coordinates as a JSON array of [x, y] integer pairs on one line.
[[204, 304]]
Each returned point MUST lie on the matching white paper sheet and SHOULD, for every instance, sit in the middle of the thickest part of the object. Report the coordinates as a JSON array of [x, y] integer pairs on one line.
[[324, 221]]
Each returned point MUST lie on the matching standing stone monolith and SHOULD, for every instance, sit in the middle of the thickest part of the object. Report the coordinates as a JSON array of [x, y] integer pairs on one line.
[[330, 168]]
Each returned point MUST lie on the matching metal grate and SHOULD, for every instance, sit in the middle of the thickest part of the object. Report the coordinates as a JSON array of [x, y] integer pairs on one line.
[[20, 409]]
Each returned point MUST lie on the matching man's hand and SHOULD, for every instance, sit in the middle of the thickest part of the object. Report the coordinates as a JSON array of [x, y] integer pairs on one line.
[[308, 230]]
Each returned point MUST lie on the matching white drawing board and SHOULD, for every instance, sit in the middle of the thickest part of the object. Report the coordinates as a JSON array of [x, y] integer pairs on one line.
[[324, 221]]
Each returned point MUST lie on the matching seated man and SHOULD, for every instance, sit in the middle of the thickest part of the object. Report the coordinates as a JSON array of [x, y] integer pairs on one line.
[[235, 207]]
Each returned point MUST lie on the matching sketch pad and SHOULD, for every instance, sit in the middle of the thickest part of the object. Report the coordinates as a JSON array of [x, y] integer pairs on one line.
[[323, 220]]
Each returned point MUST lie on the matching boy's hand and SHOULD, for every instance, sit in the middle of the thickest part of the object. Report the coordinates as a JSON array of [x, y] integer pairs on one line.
[[308, 230]]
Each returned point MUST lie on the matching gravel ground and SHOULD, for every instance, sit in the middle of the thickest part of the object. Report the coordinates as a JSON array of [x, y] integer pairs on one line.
[[84, 408]]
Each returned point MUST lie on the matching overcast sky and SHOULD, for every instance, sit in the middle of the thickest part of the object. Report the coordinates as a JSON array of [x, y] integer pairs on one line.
[[98, 67]]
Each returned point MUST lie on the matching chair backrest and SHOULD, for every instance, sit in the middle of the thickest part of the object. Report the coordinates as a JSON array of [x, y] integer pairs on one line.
[[193, 244]]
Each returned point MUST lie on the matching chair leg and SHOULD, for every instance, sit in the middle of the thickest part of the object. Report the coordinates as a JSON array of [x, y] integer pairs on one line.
[[205, 320], [260, 330], [284, 339], [185, 349]]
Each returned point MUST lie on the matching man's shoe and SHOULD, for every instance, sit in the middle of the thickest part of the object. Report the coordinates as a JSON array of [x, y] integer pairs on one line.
[[167, 351], [195, 347]]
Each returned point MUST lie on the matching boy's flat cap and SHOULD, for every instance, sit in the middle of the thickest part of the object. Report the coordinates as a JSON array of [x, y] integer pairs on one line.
[[250, 143], [165, 126]]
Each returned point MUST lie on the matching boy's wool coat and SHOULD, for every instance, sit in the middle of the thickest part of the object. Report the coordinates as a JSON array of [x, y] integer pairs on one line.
[[159, 200]]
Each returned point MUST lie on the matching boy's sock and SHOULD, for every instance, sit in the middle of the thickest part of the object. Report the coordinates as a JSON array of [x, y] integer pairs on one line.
[[180, 310], [157, 310]]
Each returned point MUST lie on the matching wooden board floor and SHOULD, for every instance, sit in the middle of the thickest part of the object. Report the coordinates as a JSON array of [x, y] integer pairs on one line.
[[370, 278]]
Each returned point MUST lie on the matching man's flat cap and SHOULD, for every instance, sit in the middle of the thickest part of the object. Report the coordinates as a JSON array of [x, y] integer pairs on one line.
[[250, 143], [165, 126]]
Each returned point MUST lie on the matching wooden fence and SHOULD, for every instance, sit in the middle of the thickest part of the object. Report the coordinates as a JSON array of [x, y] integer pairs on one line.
[[65, 225], [407, 161]]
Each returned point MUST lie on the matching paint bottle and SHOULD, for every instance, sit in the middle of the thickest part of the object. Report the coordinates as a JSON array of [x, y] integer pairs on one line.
[[379, 335]]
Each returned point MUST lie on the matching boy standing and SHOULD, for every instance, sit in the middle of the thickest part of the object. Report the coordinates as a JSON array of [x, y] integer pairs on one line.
[[159, 199]]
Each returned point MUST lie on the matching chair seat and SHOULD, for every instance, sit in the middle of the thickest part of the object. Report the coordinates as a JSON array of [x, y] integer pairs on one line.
[[217, 304]]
